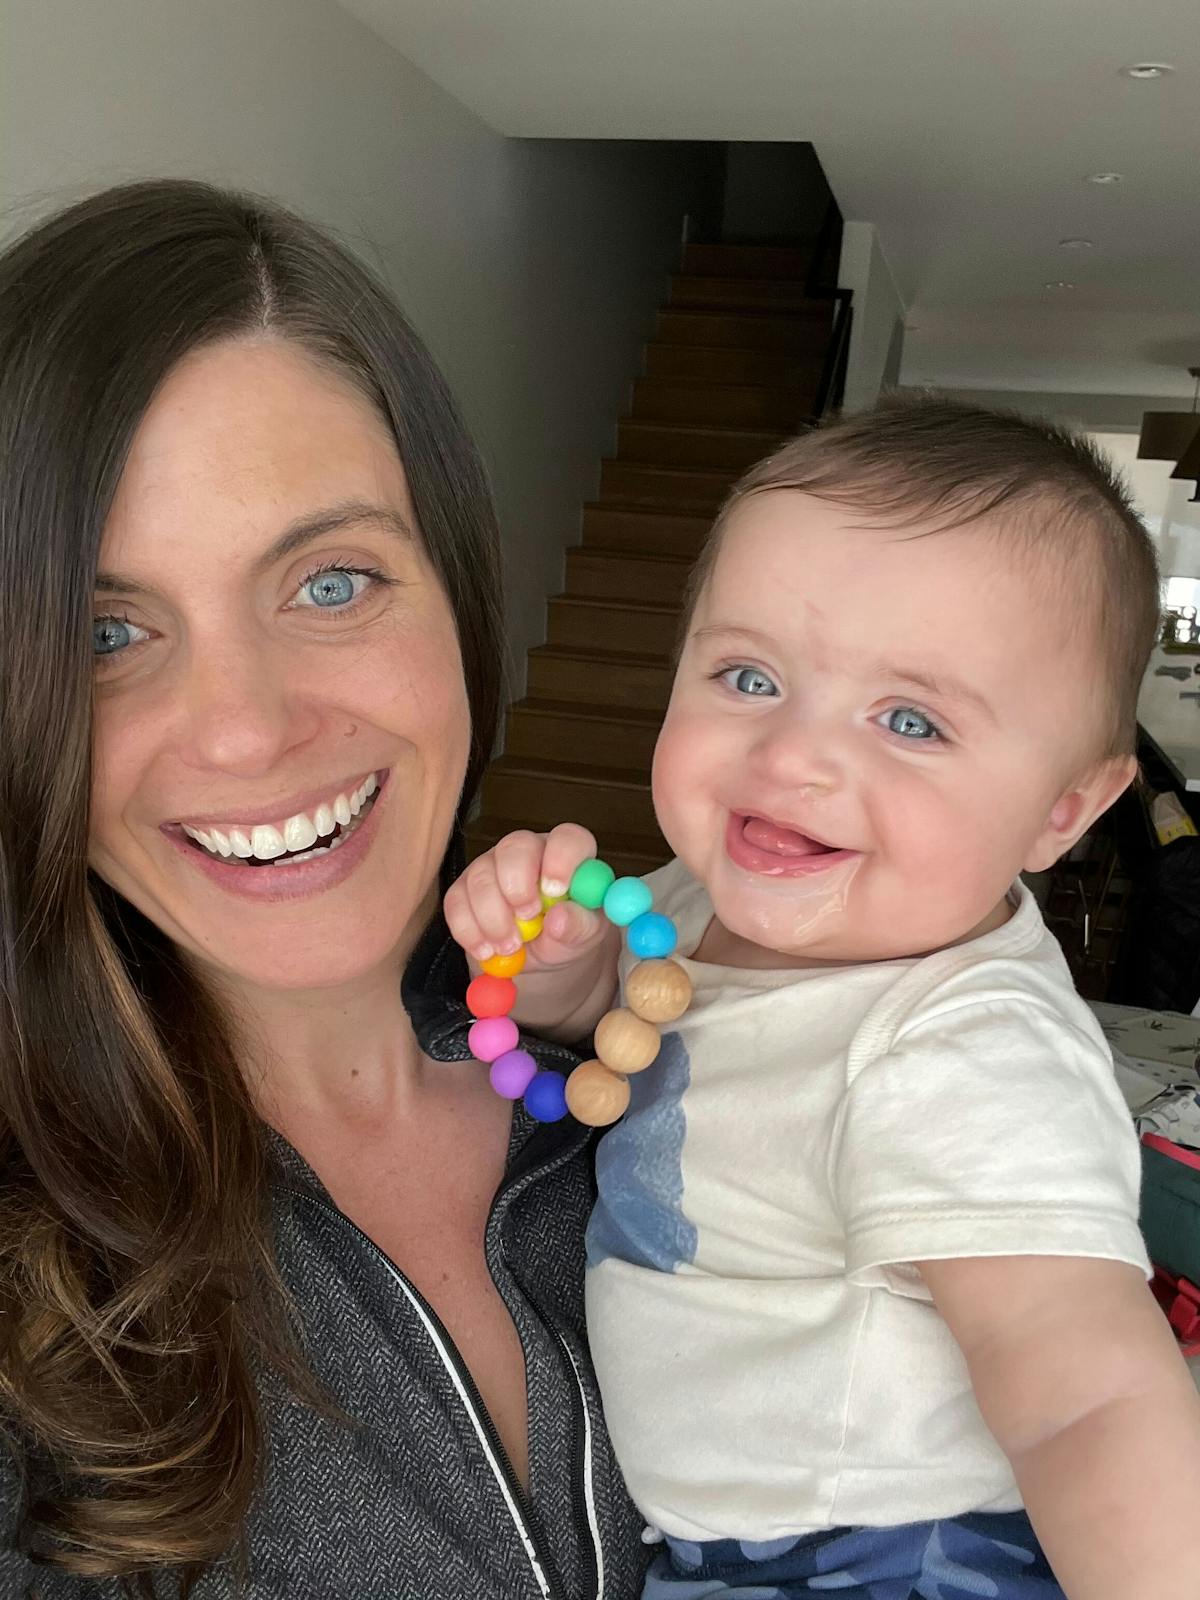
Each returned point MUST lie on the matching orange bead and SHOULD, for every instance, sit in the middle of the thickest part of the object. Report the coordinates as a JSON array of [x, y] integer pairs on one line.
[[658, 991], [505, 966], [488, 996], [596, 1096], [625, 1043]]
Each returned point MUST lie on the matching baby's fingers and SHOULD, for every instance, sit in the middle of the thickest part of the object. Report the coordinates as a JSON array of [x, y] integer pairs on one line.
[[566, 846]]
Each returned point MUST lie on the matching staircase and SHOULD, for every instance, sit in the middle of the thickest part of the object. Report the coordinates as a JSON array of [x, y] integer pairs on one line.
[[740, 356]]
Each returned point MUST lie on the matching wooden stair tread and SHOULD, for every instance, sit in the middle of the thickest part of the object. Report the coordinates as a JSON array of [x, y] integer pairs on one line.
[[588, 712], [658, 608], [721, 430], [570, 772], [573, 652], [628, 555]]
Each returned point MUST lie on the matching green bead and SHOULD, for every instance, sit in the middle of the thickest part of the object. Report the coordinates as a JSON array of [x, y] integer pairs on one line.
[[591, 883]]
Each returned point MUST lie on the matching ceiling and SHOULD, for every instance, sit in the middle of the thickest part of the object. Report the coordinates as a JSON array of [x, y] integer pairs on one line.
[[965, 130]]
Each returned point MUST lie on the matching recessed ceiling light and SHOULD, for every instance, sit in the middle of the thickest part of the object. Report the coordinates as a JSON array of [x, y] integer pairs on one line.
[[1075, 244], [1060, 284], [1106, 177], [1145, 71]]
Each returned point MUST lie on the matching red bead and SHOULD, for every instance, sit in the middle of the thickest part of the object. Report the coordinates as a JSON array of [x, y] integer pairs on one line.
[[491, 997]]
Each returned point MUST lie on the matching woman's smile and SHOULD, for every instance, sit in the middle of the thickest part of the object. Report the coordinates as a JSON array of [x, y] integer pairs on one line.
[[307, 852]]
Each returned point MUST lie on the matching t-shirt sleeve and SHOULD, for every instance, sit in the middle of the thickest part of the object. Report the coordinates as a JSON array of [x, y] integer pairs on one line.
[[991, 1128]]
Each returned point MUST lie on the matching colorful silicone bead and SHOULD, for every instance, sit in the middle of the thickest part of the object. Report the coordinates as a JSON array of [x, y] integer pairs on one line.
[[512, 1073], [652, 936], [591, 883], [491, 997], [529, 928], [549, 900], [491, 1037], [596, 1096], [505, 966], [658, 991], [625, 1043], [546, 1097], [626, 899]]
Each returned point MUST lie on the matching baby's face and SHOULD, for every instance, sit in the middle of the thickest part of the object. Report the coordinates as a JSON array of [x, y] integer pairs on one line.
[[870, 733]]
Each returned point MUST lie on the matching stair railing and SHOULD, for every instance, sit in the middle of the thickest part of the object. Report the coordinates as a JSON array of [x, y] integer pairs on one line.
[[832, 388]]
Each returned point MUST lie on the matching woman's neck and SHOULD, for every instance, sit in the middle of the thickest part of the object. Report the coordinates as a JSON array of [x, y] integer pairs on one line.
[[348, 1053]]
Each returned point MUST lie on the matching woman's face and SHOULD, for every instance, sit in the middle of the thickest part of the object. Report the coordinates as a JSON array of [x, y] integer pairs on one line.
[[281, 723]]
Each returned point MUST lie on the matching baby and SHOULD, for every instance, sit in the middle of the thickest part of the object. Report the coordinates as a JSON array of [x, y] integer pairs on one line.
[[866, 1291]]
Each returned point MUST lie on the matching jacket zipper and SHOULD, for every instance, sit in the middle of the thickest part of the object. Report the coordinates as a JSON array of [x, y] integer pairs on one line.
[[472, 1401], [582, 1483]]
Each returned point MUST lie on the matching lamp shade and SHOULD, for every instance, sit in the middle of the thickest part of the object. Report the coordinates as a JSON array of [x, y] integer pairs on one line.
[[1166, 435], [1189, 461]]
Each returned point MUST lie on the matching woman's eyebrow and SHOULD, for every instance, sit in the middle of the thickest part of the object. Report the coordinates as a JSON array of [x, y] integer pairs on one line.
[[303, 531]]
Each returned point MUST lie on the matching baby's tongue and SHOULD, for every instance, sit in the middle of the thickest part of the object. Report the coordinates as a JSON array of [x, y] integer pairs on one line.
[[779, 840]]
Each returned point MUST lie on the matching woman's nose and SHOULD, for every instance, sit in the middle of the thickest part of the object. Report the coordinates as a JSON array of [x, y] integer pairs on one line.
[[241, 713]]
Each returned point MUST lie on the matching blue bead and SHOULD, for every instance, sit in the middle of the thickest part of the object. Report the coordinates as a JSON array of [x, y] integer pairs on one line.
[[651, 936], [626, 899], [546, 1097]]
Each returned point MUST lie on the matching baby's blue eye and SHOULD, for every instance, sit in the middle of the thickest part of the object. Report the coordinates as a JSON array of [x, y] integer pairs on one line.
[[110, 635], [334, 588], [749, 680], [910, 724]]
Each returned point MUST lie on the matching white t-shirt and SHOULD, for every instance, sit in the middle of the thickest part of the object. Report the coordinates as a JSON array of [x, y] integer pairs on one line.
[[769, 1358]]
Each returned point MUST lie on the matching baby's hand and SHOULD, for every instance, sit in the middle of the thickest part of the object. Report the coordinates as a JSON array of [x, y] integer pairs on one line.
[[570, 968]]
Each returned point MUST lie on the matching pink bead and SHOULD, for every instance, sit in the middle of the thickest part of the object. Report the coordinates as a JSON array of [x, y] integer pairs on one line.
[[512, 1073], [491, 1037]]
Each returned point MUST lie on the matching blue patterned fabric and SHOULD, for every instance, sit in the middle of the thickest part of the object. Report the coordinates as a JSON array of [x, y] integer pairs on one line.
[[976, 1557]]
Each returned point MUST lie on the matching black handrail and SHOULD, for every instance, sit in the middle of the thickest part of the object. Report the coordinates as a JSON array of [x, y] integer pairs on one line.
[[832, 387]]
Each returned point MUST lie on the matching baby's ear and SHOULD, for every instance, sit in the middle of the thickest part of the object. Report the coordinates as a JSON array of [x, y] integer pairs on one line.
[[1074, 811]]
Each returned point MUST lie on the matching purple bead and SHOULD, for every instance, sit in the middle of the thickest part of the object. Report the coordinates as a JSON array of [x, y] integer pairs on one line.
[[491, 1037], [546, 1097], [512, 1073]]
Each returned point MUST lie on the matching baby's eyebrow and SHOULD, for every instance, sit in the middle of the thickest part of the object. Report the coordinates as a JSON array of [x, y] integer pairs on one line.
[[721, 630], [942, 688]]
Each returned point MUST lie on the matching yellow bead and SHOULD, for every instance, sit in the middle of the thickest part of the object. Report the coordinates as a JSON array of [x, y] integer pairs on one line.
[[658, 991], [505, 966], [529, 927], [549, 900], [596, 1096], [625, 1043]]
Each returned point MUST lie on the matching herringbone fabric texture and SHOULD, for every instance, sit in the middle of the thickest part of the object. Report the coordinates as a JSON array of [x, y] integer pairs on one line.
[[399, 1503]]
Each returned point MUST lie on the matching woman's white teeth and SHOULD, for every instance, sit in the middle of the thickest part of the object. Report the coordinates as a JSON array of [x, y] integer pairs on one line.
[[299, 832], [265, 842]]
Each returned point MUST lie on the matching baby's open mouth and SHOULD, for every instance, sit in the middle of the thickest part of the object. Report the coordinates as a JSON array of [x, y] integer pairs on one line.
[[780, 840], [302, 837]]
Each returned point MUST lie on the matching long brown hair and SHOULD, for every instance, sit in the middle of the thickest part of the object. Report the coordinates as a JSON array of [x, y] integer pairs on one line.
[[137, 1294]]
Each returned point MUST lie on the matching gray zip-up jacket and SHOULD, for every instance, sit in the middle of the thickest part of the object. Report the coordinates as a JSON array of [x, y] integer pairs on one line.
[[416, 1500]]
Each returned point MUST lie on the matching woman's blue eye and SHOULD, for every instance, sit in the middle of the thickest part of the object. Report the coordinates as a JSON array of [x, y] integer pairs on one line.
[[749, 680], [110, 635], [910, 724], [337, 587]]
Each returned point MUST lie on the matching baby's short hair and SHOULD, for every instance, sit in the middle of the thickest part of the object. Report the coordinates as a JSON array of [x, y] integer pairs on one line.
[[924, 459]]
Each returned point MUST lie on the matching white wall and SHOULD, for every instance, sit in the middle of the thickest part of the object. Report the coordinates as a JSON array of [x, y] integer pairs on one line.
[[1113, 421], [530, 267], [877, 329]]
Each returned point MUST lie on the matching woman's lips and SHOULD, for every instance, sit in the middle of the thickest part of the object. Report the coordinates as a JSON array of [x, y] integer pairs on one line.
[[273, 882], [756, 844]]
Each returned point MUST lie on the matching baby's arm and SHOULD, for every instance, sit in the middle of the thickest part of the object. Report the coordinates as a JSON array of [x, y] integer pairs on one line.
[[1079, 1378], [570, 976]]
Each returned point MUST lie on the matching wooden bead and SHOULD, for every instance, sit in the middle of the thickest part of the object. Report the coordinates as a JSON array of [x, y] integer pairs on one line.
[[625, 1043], [596, 1096], [658, 991]]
